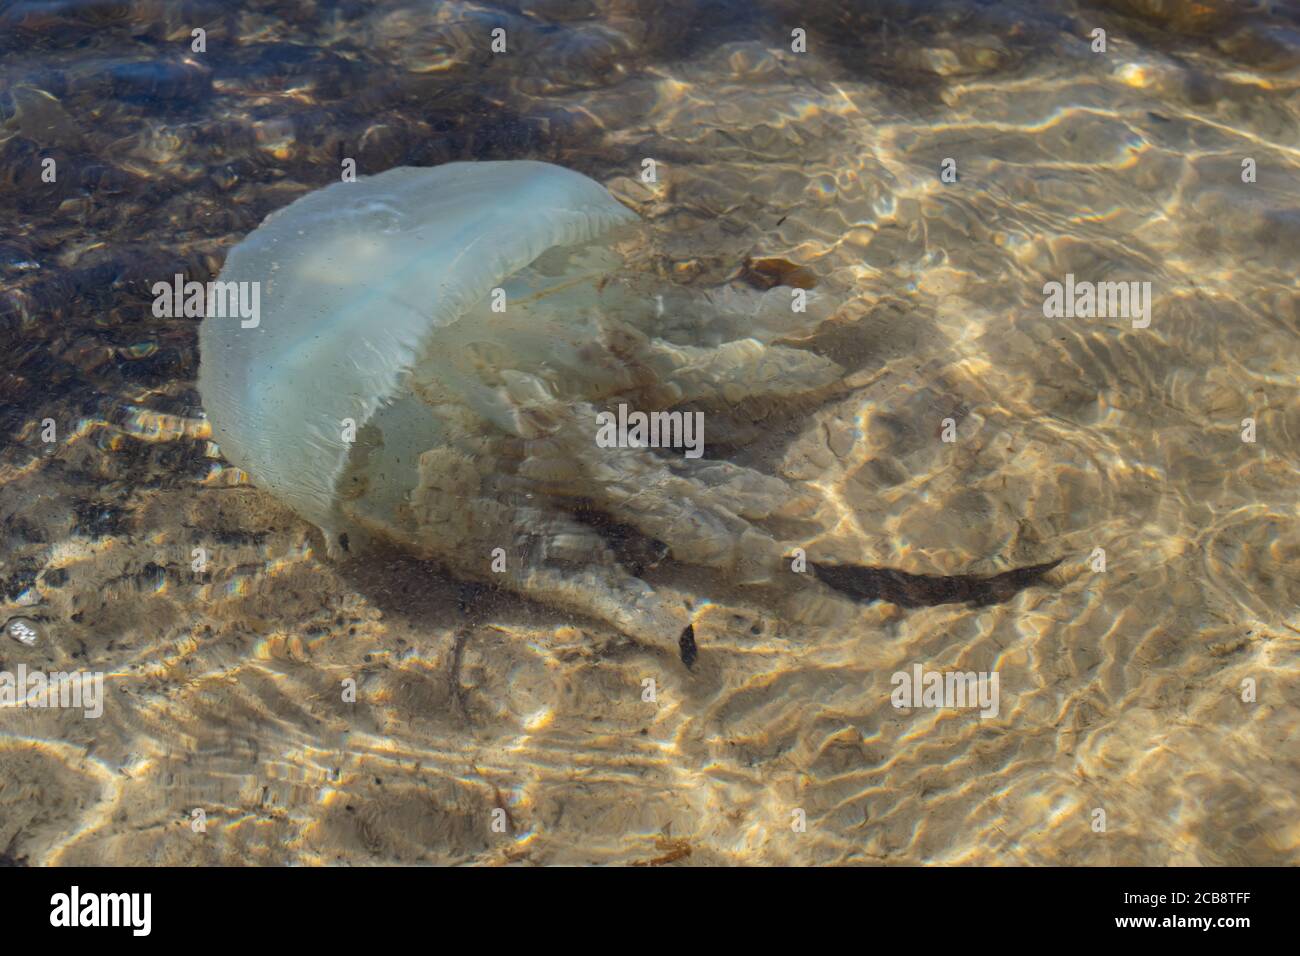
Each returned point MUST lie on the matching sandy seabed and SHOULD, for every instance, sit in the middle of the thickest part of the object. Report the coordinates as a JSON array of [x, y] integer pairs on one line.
[[1122, 690]]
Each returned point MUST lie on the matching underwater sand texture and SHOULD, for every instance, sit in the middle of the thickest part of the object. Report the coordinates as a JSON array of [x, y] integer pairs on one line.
[[1120, 690]]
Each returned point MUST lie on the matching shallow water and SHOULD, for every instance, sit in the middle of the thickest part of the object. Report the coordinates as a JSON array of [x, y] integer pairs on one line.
[[1121, 690]]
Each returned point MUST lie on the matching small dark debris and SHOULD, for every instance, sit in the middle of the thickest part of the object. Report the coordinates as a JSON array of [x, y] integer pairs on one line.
[[768, 273], [687, 644], [675, 850], [151, 576]]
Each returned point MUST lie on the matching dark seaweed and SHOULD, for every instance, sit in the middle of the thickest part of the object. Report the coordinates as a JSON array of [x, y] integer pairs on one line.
[[927, 590]]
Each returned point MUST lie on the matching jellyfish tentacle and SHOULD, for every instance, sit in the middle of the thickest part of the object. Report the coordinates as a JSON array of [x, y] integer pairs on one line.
[[697, 509], [729, 373], [740, 369], [751, 494], [562, 563], [461, 515], [605, 591]]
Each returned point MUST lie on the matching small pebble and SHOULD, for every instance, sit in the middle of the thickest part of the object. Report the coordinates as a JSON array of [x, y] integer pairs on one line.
[[23, 630]]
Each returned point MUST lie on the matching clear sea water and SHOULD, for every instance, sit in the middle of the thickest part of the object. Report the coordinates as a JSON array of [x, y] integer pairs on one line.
[[1149, 685]]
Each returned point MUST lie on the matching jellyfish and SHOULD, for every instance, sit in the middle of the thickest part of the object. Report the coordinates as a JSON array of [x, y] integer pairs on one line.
[[436, 353]]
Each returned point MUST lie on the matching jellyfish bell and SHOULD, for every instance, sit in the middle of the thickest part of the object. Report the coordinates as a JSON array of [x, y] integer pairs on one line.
[[361, 284]]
